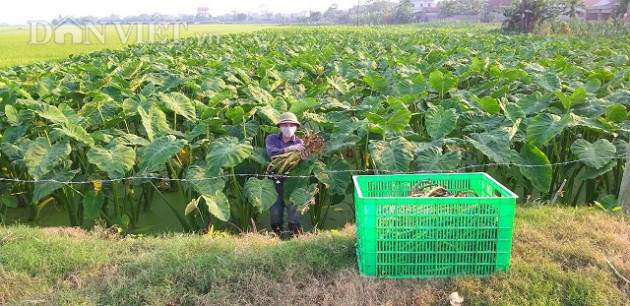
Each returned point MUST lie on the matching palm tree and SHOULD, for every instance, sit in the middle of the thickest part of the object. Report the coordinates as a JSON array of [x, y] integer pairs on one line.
[[572, 6]]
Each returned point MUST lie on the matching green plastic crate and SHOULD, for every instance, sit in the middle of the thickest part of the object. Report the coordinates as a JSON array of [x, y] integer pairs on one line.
[[405, 237]]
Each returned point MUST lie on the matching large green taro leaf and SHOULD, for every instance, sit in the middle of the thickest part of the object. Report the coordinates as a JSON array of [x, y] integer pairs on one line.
[[395, 155], [415, 84], [235, 114], [495, 145], [441, 82], [154, 122], [398, 120], [375, 80], [340, 141], [179, 103], [261, 193], [489, 104], [50, 182], [159, 151], [440, 122], [115, 160], [432, 159], [547, 80], [616, 113], [334, 174], [45, 110], [226, 152], [196, 176], [259, 94], [576, 98], [300, 106], [595, 155], [76, 132], [538, 169], [591, 173], [93, 202], [544, 127], [41, 157], [218, 205]]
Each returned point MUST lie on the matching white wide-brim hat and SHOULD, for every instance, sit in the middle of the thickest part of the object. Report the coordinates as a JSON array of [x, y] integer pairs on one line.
[[288, 117]]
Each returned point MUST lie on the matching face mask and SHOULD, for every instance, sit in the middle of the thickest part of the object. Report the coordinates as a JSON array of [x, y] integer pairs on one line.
[[288, 131]]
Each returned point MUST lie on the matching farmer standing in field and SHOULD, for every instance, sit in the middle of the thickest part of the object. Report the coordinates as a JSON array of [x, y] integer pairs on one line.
[[283, 142]]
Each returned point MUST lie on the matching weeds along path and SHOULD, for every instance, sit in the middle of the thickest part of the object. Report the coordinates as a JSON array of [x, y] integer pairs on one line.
[[559, 258]]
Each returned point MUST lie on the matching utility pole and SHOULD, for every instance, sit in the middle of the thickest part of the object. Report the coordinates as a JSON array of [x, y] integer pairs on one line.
[[624, 189], [358, 5]]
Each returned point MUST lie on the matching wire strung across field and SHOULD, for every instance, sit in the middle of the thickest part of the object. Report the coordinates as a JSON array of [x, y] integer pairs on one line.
[[275, 176]]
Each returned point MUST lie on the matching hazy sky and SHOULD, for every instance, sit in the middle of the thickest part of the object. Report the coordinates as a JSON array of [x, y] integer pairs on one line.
[[21, 11]]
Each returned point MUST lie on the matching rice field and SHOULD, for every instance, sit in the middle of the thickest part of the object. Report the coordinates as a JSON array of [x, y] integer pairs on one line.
[[18, 45]]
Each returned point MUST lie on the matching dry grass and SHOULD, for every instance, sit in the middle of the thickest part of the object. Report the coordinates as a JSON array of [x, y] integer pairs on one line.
[[559, 258]]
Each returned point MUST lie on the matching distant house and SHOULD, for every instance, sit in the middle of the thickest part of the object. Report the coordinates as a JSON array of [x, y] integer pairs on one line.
[[422, 5], [203, 12], [425, 10], [432, 11], [497, 5], [600, 9], [593, 9]]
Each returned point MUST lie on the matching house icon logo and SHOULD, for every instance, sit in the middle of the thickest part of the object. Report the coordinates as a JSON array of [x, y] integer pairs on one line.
[[157, 18], [72, 31], [66, 30], [68, 27]]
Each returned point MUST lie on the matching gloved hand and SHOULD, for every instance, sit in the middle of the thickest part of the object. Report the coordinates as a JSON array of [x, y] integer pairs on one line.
[[304, 155], [296, 147]]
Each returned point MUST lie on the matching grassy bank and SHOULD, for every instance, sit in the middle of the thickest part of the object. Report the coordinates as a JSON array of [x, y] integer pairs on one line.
[[559, 258], [18, 47]]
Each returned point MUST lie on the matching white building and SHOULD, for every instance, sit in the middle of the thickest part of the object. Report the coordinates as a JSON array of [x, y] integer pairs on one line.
[[420, 5]]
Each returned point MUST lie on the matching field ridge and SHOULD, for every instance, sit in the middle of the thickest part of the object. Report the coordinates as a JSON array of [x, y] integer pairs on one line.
[[559, 258]]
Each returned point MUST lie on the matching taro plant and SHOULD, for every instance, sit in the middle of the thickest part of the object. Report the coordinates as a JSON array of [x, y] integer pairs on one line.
[[532, 112]]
